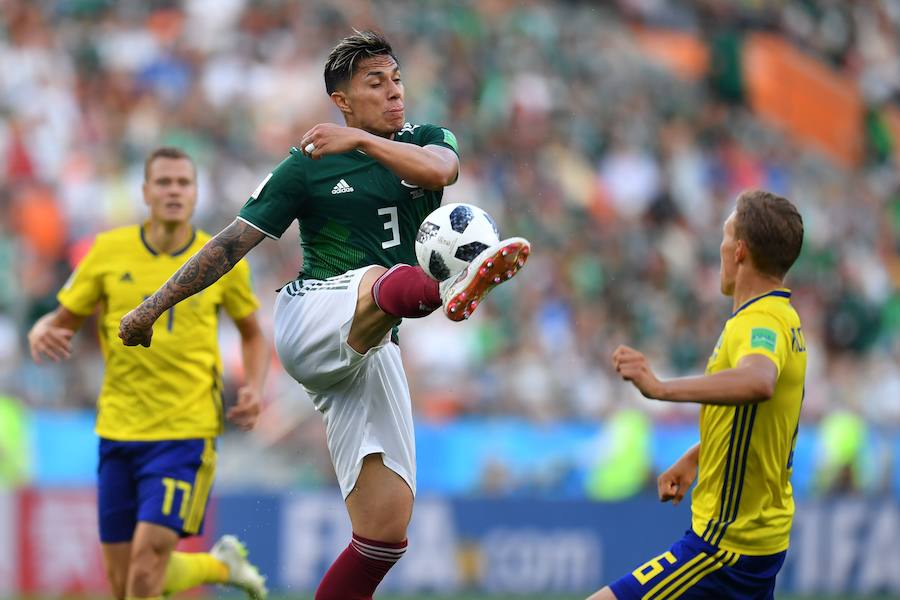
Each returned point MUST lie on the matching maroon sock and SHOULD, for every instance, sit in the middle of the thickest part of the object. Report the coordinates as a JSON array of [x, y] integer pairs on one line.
[[405, 291], [359, 569]]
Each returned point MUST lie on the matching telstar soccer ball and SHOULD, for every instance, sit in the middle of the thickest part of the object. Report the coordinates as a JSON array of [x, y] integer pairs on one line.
[[451, 236]]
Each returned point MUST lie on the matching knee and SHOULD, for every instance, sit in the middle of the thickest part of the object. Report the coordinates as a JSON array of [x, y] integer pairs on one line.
[[370, 323], [140, 579], [386, 522], [147, 570], [365, 301], [370, 277], [381, 502], [143, 580], [391, 530]]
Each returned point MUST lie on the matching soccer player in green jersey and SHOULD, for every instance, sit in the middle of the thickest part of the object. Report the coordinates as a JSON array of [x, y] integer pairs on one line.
[[360, 192], [750, 402], [159, 411]]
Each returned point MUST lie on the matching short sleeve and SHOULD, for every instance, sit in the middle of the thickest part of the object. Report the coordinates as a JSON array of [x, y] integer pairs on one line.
[[238, 297], [758, 333], [84, 288], [432, 135], [277, 201]]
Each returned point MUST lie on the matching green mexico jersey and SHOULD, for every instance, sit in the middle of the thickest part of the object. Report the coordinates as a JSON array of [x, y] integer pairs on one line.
[[353, 211]]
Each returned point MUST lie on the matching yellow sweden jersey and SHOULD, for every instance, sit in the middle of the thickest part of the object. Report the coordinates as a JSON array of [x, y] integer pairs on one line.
[[743, 501], [171, 390]]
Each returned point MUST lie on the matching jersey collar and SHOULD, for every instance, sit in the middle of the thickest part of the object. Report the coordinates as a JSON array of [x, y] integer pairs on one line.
[[781, 293], [178, 252]]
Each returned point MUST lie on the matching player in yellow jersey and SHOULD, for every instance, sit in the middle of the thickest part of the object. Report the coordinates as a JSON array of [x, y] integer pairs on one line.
[[160, 409], [751, 396]]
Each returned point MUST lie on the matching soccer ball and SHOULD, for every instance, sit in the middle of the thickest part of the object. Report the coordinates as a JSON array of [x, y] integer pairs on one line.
[[451, 236]]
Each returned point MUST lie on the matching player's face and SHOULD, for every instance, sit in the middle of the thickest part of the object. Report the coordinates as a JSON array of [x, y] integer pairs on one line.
[[373, 100], [727, 255], [171, 190]]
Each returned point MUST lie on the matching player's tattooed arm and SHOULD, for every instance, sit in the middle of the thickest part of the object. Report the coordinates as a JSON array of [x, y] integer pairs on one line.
[[217, 257]]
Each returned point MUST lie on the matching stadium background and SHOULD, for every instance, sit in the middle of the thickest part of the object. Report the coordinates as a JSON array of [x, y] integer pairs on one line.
[[614, 135]]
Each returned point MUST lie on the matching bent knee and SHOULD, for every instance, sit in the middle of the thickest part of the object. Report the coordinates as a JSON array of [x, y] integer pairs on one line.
[[388, 532], [148, 568], [143, 578], [370, 324], [385, 519]]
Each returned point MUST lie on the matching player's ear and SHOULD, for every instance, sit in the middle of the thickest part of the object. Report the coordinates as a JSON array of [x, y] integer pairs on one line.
[[342, 102], [741, 251]]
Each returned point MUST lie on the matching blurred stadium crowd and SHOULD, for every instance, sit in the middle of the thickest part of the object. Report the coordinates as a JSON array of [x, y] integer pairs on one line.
[[619, 171]]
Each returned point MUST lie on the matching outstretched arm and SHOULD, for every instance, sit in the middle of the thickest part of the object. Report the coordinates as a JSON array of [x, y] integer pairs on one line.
[[215, 258], [752, 380]]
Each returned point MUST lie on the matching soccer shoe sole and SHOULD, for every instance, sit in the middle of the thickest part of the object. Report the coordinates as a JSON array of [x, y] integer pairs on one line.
[[488, 270]]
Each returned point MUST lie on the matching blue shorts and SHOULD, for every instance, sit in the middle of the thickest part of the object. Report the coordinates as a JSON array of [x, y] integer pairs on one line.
[[165, 482], [695, 570]]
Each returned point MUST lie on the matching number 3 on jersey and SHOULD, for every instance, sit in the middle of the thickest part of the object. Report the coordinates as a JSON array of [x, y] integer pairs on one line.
[[391, 225]]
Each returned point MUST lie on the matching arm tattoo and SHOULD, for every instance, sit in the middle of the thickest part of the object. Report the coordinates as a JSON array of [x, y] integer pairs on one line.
[[214, 259]]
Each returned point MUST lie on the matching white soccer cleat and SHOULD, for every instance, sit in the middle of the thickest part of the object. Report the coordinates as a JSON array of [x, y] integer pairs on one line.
[[496, 264], [242, 574]]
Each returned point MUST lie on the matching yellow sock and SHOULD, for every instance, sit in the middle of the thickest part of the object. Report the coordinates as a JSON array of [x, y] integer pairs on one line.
[[187, 570]]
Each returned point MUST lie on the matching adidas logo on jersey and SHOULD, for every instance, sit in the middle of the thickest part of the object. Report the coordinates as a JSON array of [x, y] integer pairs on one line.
[[126, 276], [341, 187]]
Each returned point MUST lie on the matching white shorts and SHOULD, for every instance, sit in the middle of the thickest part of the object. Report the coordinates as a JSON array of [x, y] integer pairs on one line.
[[364, 397]]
